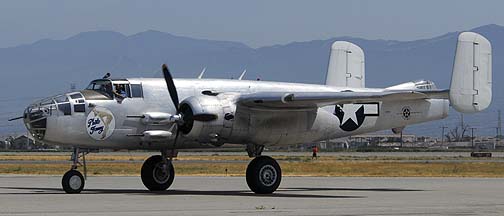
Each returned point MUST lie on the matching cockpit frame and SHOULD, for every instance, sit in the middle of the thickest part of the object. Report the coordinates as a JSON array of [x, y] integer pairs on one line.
[[112, 89]]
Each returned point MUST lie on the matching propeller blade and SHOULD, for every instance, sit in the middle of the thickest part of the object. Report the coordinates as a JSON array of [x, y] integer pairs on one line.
[[204, 117], [176, 137], [13, 119], [171, 87]]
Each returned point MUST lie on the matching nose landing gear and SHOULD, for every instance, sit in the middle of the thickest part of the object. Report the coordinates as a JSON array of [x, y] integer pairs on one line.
[[73, 181]]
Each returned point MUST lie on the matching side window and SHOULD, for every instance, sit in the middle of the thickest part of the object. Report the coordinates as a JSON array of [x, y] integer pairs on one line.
[[65, 108], [136, 91], [79, 108], [63, 105], [121, 90]]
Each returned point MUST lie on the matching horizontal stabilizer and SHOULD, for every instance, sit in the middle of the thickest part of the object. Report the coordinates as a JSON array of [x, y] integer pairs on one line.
[[471, 83]]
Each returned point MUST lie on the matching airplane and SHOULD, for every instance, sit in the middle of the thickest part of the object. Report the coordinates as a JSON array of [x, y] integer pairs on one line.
[[169, 115]]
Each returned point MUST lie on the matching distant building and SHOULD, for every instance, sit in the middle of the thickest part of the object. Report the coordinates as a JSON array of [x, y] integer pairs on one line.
[[376, 140], [21, 143]]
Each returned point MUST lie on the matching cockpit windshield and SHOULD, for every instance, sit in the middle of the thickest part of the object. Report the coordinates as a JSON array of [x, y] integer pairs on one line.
[[105, 89], [101, 86]]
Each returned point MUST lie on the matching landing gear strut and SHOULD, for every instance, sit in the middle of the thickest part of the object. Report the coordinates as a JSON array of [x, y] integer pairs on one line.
[[158, 172], [73, 181], [254, 150]]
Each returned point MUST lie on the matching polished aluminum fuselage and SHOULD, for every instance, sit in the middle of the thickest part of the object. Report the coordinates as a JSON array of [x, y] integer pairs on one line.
[[263, 127]]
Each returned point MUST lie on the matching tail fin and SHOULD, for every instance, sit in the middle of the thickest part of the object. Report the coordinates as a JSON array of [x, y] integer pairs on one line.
[[346, 65], [471, 83]]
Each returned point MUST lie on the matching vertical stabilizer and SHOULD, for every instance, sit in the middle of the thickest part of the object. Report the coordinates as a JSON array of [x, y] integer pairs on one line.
[[471, 83], [346, 65]]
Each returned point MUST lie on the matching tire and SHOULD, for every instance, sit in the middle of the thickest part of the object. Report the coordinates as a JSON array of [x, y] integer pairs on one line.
[[153, 177], [72, 182], [263, 175]]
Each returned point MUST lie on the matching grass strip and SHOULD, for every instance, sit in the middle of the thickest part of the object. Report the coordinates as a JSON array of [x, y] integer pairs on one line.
[[298, 168]]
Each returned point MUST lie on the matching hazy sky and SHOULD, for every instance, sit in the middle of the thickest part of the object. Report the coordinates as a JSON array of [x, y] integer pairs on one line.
[[256, 23]]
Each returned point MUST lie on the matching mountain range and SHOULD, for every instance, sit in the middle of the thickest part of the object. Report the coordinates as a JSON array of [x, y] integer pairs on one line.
[[48, 67]]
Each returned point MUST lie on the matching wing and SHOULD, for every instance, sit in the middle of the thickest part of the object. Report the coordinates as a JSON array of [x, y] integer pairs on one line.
[[311, 100]]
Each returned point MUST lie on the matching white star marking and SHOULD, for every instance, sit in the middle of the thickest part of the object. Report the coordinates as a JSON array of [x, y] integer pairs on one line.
[[349, 112]]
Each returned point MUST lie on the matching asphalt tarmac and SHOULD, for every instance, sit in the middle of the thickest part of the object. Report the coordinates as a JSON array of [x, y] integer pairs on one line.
[[42, 195]]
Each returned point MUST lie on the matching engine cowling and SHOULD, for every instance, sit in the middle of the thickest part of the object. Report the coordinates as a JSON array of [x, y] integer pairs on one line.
[[215, 131]]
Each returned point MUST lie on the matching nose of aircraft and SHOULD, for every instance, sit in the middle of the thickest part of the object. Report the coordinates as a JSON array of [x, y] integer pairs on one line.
[[35, 117], [40, 115]]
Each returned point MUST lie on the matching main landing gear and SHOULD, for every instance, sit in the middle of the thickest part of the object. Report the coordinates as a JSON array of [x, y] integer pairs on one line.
[[73, 181], [158, 172], [263, 172]]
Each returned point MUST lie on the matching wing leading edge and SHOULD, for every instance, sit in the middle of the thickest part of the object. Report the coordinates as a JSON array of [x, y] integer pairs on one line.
[[311, 100]]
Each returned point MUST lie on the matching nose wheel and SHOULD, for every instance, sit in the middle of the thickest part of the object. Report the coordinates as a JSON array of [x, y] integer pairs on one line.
[[263, 175], [72, 182]]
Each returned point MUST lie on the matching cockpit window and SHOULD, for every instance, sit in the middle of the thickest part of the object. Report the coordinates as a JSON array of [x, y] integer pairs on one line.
[[102, 86], [121, 90], [61, 99], [136, 90], [76, 96], [105, 89]]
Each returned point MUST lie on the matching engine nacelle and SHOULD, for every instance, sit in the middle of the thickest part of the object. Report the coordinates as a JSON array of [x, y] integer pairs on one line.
[[215, 131]]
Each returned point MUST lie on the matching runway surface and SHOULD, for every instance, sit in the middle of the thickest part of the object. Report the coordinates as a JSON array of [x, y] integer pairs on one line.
[[42, 195]]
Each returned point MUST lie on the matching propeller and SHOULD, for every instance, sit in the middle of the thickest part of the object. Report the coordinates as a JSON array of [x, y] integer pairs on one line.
[[180, 119], [171, 87], [174, 97]]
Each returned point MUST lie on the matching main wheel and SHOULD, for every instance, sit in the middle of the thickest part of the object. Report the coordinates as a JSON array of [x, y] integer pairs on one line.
[[263, 175], [72, 182], [157, 175]]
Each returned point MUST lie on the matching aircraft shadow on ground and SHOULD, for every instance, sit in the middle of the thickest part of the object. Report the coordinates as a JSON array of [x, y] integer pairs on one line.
[[279, 193]]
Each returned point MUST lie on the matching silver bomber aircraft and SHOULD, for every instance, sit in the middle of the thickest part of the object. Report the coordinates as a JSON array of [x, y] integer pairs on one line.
[[173, 114]]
